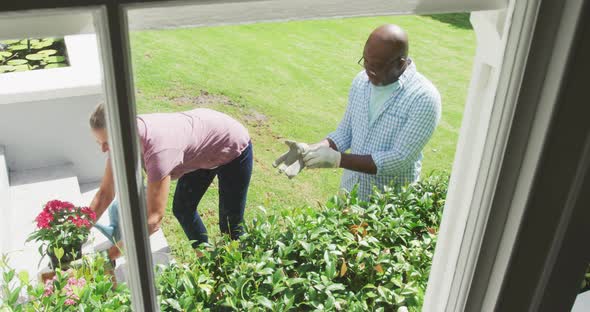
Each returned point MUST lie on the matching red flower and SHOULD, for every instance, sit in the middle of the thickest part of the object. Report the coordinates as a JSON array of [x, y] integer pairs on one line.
[[57, 205], [44, 219], [61, 223], [89, 212], [79, 222]]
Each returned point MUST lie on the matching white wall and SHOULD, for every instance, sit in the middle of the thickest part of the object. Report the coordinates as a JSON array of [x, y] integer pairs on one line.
[[4, 197], [52, 132], [44, 113]]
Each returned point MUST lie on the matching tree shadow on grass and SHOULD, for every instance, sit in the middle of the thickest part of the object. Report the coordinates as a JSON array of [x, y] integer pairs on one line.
[[459, 20]]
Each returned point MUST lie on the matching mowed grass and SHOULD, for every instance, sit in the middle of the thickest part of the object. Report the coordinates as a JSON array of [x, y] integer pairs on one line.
[[291, 81]]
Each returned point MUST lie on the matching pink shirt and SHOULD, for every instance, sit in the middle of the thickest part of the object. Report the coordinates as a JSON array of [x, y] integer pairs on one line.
[[177, 143]]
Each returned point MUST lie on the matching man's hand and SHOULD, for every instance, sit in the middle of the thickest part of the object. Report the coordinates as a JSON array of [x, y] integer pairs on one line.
[[322, 157], [291, 162]]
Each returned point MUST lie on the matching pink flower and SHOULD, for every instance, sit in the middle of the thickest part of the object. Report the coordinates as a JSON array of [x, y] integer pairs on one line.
[[89, 212], [73, 282], [57, 205], [57, 218], [79, 222], [48, 288], [77, 282], [44, 220], [70, 302], [70, 292]]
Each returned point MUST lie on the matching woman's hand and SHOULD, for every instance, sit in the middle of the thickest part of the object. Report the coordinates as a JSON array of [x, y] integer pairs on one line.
[[115, 251]]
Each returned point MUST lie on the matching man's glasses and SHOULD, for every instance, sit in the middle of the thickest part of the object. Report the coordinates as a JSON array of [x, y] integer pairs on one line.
[[385, 67]]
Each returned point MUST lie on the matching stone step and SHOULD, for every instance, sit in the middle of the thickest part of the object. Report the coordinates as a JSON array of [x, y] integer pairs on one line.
[[29, 191], [98, 242], [582, 303]]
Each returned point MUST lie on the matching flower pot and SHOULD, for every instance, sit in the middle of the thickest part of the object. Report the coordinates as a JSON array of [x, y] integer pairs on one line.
[[71, 253]]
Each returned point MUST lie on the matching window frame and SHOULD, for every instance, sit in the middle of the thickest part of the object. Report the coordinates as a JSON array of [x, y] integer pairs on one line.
[[111, 25]]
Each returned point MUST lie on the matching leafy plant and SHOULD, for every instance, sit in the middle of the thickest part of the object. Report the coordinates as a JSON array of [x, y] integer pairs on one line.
[[586, 281], [346, 255], [62, 228], [88, 287], [32, 54]]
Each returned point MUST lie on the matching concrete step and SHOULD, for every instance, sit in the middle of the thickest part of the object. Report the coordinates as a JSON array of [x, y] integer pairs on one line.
[[98, 242], [160, 255], [582, 303], [29, 191]]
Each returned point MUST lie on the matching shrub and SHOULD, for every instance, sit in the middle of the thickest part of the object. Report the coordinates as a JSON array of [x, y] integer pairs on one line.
[[86, 288], [346, 255]]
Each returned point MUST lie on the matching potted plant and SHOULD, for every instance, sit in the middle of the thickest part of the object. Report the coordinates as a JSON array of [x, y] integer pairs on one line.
[[62, 228]]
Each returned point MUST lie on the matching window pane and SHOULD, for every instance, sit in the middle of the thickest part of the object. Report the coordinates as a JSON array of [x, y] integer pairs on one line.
[[291, 81], [51, 167]]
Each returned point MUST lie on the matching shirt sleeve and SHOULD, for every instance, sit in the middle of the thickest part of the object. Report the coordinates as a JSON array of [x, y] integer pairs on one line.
[[160, 164], [413, 137]]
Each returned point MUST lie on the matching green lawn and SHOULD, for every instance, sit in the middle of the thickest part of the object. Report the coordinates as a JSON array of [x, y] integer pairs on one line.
[[291, 80]]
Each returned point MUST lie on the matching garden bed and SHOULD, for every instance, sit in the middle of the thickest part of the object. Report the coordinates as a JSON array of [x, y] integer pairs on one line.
[[346, 255]]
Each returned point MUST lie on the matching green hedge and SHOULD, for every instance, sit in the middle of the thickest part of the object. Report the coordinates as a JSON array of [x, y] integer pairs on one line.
[[346, 255]]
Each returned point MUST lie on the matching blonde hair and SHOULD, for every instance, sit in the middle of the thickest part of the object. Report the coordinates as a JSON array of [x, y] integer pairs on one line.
[[97, 118]]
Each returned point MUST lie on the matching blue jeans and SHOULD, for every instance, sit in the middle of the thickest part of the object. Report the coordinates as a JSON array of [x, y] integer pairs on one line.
[[234, 179]]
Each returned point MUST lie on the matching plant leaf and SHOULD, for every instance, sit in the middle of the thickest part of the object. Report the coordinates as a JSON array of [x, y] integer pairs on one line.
[[20, 68], [55, 59], [6, 68], [47, 52], [16, 62], [59, 252], [343, 268], [18, 47], [35, 57], [55, 65]]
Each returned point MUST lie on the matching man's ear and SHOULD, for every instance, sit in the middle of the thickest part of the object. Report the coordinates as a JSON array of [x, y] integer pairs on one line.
[[402, 61]]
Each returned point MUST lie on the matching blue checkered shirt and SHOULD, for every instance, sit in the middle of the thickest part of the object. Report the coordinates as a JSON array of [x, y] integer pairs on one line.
[[395, 139]]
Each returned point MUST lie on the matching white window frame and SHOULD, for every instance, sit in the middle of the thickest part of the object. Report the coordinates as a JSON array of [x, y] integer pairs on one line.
[[482, 141]]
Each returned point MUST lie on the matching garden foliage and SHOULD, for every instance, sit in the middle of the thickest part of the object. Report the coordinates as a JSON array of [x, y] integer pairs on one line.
[[346, 255]]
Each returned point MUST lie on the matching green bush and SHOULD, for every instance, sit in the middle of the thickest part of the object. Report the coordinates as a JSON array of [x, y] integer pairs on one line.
[[346, 255], [86, 288], [586, 281]]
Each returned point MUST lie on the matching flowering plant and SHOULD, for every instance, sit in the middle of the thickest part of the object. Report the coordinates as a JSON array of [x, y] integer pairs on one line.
[[63, 228], [88, 285]]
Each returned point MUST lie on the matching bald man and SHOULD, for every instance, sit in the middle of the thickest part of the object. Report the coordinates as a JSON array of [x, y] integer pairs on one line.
[[391, 114]]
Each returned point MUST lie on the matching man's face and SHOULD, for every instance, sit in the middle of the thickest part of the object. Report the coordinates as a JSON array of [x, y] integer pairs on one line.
[[102, 139], [380, 66]]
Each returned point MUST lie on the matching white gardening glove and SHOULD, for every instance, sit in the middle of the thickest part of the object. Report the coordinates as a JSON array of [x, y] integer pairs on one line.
[[291, 162], [322, 157]]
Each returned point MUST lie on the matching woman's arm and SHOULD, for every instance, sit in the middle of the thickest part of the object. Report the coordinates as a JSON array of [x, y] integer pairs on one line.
[[106, 192], [157, 198]]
